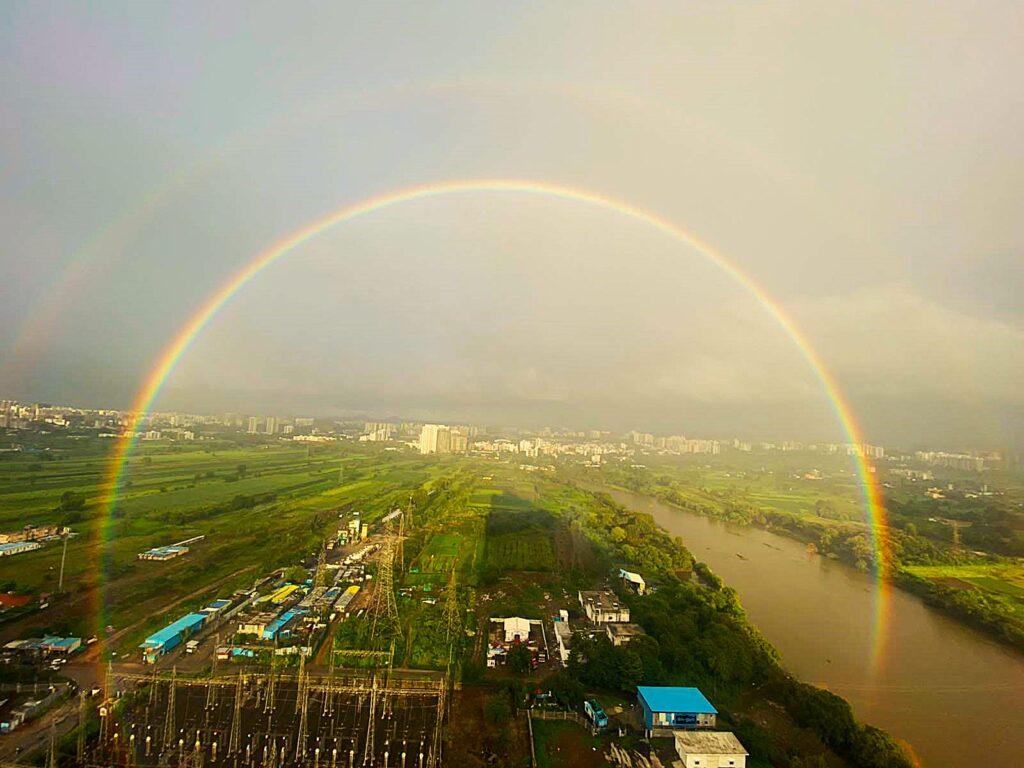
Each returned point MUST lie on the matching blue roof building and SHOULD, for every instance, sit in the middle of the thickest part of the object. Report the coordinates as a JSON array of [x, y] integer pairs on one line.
[[671, 707], [217, 605], [277, 626], [168, 638]]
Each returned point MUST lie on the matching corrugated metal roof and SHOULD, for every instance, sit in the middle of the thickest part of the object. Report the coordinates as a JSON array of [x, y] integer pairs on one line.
[[674, 699], [187, 622]]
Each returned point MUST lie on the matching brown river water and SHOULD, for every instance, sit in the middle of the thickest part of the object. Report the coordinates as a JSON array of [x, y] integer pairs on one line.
[[954, 695]]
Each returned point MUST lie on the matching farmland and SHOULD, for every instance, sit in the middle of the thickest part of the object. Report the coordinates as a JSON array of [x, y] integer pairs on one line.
[[259, 507]]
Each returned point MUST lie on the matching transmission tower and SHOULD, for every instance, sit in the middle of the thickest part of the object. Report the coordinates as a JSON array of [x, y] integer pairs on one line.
[[452, 617], [236, 721], [302, 700], [384, 626], [320, 575], [169, 730], [400, 548]]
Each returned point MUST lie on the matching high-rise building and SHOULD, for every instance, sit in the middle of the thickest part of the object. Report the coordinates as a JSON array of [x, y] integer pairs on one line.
[[378, 431], [271, 425], [435, 438], [458, 440], [254, 425]]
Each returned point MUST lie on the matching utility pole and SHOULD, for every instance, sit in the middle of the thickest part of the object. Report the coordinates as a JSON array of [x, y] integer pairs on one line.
[[63, 558], [80, 745]]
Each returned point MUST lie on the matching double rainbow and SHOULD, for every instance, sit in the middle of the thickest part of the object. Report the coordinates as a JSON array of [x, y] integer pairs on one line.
[[179, 345]]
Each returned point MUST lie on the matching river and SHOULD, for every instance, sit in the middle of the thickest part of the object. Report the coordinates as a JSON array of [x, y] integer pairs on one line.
[[954, 695]]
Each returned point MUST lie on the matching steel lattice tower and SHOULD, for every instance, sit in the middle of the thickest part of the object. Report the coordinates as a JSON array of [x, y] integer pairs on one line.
[[384, 625]]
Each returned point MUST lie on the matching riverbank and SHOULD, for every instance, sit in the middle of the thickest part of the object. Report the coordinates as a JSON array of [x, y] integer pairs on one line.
[[912, 670], [697, 633], [999, 616]]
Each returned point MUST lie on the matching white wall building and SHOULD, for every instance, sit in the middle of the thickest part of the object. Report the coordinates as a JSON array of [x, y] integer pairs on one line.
[[710, 749]]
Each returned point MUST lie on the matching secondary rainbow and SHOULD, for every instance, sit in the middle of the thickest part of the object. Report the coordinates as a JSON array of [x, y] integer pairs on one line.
[[169, 357]]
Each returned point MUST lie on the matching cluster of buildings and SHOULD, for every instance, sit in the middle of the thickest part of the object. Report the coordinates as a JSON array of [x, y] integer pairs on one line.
[[512, 632], [674, 443], [52, 648], [968, 461], [684, 715], [29, 538], [439, 438], [19, 707]]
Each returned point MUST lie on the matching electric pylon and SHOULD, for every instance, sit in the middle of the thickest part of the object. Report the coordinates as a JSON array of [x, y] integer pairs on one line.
[[384, 625], [452, 617]]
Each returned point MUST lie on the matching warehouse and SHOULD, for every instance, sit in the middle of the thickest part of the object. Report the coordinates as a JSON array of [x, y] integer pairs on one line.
[[171, 636], [669, 707], [17, 547]]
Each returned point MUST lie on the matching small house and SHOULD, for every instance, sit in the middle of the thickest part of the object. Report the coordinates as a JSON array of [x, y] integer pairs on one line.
[[710, 749], [671, 708]]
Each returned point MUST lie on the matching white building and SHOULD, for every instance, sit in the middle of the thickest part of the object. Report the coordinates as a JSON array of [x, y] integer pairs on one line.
[[254, 424], [710, 749], [603, 606], [435, 438]]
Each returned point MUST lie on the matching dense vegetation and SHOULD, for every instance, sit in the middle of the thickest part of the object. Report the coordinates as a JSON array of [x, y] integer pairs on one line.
[[699, 635]]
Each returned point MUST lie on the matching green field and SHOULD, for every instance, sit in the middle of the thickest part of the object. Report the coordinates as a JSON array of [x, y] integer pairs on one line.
[[997, 577], [259, 506]]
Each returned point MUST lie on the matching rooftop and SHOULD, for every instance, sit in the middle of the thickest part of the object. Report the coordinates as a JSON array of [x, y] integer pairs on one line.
[[625, 630], [634, 578], [189, 621], [603, 600], [674, 699], [709, 743]]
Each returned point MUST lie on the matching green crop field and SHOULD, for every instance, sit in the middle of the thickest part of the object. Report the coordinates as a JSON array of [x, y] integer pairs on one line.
[[999, 578], [259, 507]]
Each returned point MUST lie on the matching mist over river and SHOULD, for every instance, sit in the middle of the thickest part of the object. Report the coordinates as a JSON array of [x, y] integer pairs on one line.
[[954, 695]]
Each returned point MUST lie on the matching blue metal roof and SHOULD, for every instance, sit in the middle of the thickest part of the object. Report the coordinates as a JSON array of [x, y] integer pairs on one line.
[[188, 622], [673, 699], [61, 642], [278, 624]]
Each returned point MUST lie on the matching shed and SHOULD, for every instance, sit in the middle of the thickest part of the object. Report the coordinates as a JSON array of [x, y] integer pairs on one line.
[[633, 580]]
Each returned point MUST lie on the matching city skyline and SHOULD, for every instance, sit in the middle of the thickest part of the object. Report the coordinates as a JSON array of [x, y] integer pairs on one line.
[[899, 267]]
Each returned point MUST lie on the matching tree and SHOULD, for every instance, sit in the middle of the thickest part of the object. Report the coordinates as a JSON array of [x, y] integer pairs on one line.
[[519, 659], [497, 710]]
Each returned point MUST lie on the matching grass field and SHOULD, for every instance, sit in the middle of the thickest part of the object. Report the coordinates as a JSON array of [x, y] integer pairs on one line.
[[259, 506], [1000, 578]]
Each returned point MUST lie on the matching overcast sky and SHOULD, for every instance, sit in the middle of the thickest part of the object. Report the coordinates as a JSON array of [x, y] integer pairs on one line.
[[862, 162]]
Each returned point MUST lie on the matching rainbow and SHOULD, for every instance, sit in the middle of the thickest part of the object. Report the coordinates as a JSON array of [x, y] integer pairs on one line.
[[179, 345]]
